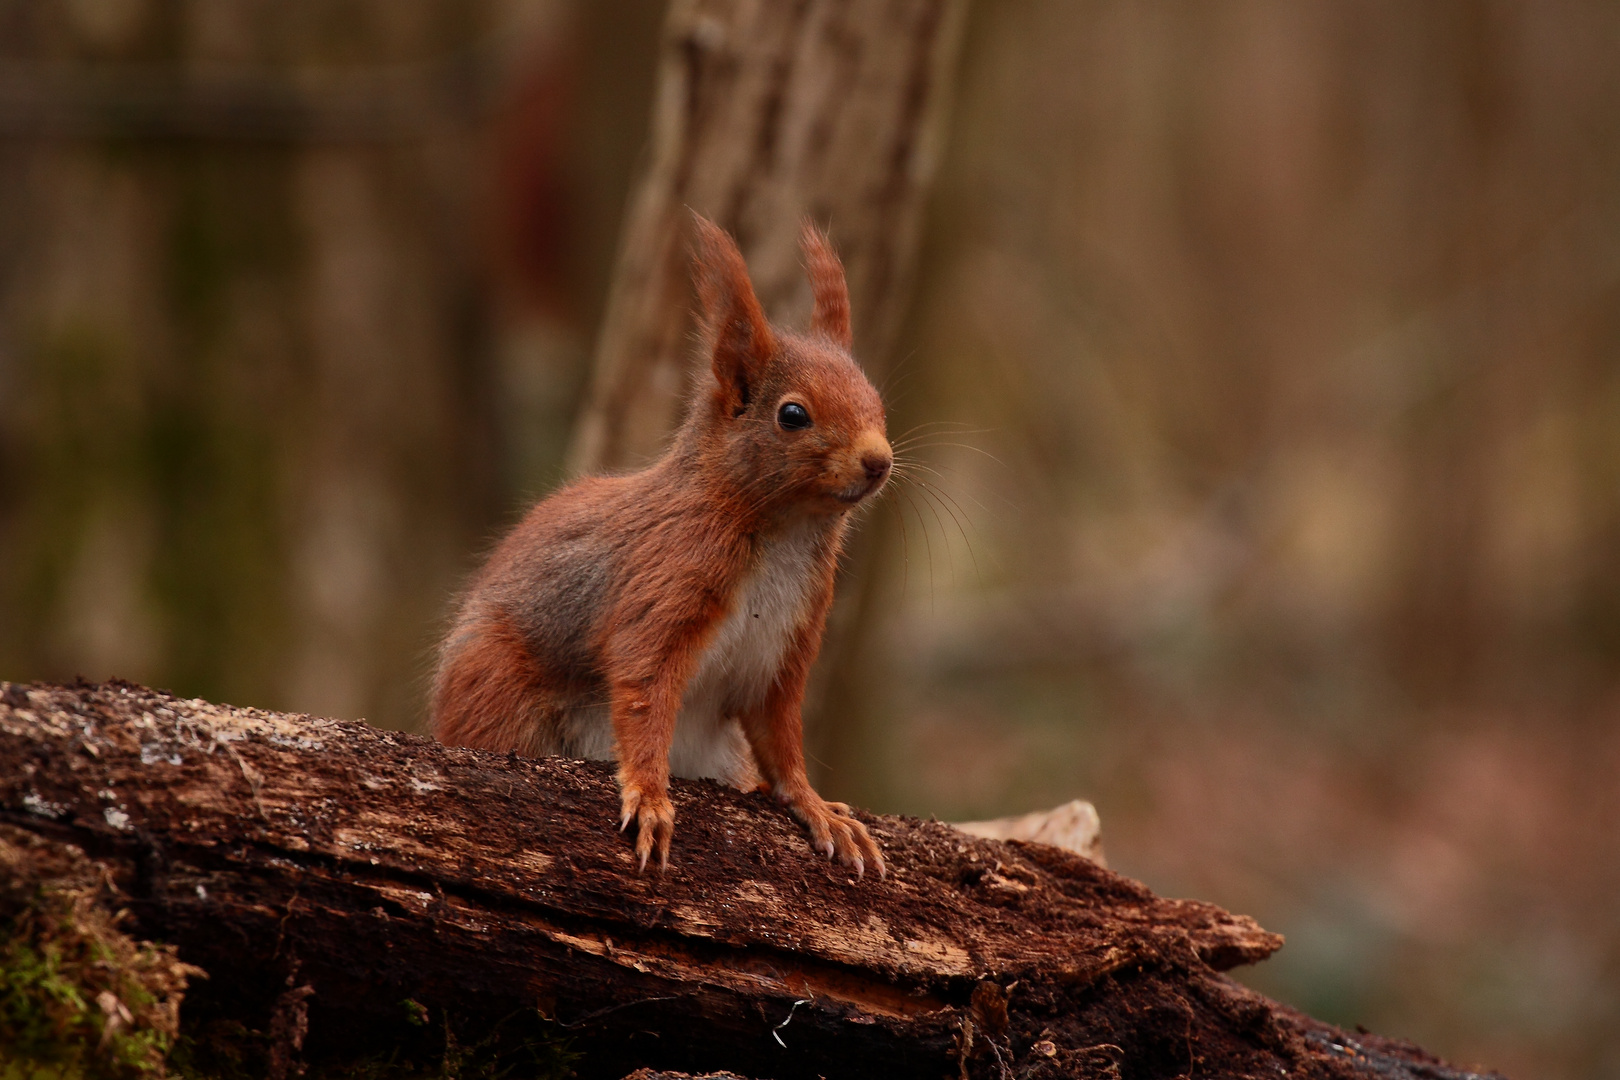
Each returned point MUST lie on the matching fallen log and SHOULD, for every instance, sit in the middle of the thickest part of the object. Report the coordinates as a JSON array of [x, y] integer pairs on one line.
[[1073, 826], [348, 882]]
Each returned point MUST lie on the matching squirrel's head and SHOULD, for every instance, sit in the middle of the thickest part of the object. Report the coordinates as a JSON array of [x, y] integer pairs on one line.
[[802, 425]]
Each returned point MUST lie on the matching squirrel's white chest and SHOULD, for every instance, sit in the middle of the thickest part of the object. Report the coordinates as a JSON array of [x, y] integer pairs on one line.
[[742, 659]]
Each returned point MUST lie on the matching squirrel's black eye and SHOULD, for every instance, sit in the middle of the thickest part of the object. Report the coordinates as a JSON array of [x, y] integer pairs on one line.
[[792, 416]]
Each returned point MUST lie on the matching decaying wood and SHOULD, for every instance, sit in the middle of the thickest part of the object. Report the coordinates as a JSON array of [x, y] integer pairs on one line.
[[766, 112], [1074, 826], [355, 869]]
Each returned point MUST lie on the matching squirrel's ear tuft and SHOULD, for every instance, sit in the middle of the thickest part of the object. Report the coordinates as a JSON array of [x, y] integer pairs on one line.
[[734, 325], [831, 317]]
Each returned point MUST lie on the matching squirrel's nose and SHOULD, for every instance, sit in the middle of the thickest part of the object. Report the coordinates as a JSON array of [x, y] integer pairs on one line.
[[876, 464]]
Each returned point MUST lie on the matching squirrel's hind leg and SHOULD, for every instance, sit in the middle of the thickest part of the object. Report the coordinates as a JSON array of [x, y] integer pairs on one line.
[[490, 693]]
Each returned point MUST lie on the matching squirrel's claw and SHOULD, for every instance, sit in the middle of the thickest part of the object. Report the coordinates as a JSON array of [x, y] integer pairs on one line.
[[835, 833], [654, 816], [863, 850]]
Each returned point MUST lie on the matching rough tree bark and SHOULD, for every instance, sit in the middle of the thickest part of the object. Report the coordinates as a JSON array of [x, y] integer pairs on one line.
[[335, 870], [765, 112]]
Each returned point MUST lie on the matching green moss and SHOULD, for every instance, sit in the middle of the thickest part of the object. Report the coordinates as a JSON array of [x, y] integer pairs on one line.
[[79, 998], [416, 1013]]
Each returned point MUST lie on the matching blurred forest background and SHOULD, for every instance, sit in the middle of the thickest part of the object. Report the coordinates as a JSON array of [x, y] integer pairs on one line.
[[1273, 353]]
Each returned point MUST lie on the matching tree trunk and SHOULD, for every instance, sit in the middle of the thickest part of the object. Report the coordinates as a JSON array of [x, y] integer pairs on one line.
[[766, 112], [356, 880]]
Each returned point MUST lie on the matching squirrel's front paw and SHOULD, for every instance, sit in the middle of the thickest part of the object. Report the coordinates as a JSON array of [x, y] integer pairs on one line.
[[654, 816], [836, 833]]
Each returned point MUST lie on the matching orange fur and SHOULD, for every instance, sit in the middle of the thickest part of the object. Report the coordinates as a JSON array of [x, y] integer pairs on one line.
[[668, 618]]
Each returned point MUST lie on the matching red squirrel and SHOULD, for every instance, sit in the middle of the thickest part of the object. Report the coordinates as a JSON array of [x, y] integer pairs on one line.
[[668, 618]]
